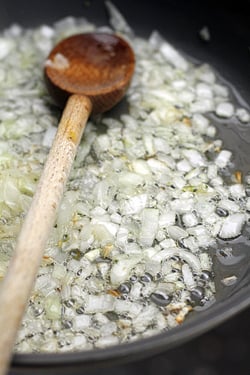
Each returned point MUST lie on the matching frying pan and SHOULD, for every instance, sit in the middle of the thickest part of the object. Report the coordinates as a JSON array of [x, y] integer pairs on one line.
[[228, 52]]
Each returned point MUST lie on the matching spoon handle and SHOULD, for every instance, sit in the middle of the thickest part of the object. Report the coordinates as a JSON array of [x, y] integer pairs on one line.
[[19, 280]]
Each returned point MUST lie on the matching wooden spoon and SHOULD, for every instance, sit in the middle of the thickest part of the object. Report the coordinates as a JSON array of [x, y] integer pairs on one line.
[[88, 73]]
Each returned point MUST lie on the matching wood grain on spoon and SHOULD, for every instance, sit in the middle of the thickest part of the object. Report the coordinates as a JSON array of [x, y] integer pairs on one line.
[[86, 73]]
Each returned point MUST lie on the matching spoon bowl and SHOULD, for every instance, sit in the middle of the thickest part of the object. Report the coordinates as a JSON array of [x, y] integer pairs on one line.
[[96, 65]]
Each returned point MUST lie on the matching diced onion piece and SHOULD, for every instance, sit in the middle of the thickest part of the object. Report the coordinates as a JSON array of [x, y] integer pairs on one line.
[[134, 204], [188, 276], [194, 157], [200, 122], [6, 45], [105, 341], [190, 258], [49, 136], [229, 280], [130, 179], [99, 303], [167, 218], [232, 226], [205, 34], [225, 110], [189, 219], [82, 321], [243, 115], [237, 191], [168, 51], [132, 309], [141, 167], [176, 233], [149, 226], [59, 62], [52, 306], [122, 268], [117, 20], [223, 158]]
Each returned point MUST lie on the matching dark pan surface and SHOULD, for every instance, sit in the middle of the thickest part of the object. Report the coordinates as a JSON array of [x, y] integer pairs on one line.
[[221, 351], [228, 52]]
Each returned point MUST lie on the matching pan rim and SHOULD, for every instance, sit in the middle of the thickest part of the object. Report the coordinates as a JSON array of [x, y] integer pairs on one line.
[[218, 313]]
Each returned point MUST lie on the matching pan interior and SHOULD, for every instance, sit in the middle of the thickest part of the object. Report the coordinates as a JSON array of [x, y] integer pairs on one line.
[[228, 53]]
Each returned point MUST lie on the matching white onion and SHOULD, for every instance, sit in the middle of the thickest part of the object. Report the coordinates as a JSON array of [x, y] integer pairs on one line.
[[52, 306], [82, 321], [134, 204], [176, 232], [101, 303], [49, 136], [225, 109], [145, 318], [141, 167], [168, 51], [143, 201], [205, 34], [204, 91], [229, 280], [194, 158], [130, 179], [122, 269], [243, 115], [103, 342], [167, 218], [188, 276], [200, 122], [6, 45], [183, 166], [248, 204], [205, 74], [221, 90], [59, 271], [202, 106], [190, 258], [128, 308], [117, 21], [237, 191], [59, 62], [149, 226], [229, 205], [189, 219], [79, 342], [232, 226], [182, 205], [223, 158]]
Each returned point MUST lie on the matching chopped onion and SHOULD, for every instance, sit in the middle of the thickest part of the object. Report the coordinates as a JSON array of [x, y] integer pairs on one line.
[[82, 321], [168, 51], [49, 136], [101, 303], [122, 269], [134, 204], [223, 158], [232, 226], [52, 306], [6, 45], [243, 115], [145, 199], [225, 110], [205, 34], [149, 226], [190, 258], [176, 232]]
